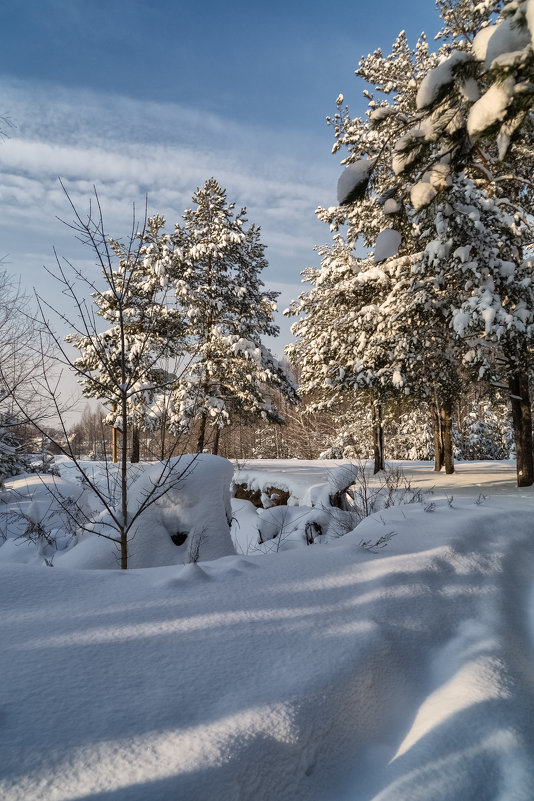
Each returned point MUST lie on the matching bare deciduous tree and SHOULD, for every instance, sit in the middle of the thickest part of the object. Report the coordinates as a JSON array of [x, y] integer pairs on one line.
[[118, 365]]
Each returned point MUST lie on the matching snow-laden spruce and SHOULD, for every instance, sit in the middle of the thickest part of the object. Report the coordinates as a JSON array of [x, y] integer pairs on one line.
[[454, 303], [216, 271]]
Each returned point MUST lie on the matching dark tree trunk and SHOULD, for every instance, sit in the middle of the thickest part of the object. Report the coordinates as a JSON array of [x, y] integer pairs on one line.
[[201, 434], [378, 438], [436, 429], [522, 419], [163, 434], [446, 435], [215, 449], [134, 455], [124, 484]]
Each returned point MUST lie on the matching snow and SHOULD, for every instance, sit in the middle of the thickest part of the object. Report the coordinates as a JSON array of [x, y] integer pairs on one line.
[[480, 42], [529, 16], [353, 179], [491, 107], [440, 76], [186, 509], [421, 194], [507, 37], [387, 244], [391, 206], [323, 673]]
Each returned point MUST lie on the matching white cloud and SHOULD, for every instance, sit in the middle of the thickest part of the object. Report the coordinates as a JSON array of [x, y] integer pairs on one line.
[[129, 149]]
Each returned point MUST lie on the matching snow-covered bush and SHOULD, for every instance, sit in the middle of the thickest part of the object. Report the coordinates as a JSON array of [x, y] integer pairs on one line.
[[335, 509], [188, 522], [486, 433], [355, 493], [282, 527], [12, 462], [411, 436], [353, 439], [42, 515]]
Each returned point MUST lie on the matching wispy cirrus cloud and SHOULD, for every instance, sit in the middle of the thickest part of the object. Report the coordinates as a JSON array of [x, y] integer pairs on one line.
[[130, 149]]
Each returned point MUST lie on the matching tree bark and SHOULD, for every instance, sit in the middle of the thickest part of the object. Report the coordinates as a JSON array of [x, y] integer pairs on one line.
[[163, 433], [124, 485], [436, 429], [201, 434], [378, 438], [134, 455], [446, 436], [522, 420], [215, 449]]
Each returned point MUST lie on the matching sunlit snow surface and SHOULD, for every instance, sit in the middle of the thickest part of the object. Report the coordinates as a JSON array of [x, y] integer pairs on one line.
[[325, 673]]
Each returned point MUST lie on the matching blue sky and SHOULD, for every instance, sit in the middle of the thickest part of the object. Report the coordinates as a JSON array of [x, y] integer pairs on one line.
[[153, 98]]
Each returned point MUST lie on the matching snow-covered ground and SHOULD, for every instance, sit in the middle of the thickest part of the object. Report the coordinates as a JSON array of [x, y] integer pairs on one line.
[[329, 672]]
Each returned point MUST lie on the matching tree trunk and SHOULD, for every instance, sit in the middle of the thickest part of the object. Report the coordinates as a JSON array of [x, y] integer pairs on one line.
[[378, 437], [522, 419], [215, 449], [163, 433], [134, 456], [446, 436], [436, 429], [124, 486], [201, 434], [114, 458]]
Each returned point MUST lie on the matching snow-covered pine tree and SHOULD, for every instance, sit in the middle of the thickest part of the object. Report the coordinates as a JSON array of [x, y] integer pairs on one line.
[[442, 142], [11, 461], [217, 265], [399, 340], [340, 345], [486, 432]]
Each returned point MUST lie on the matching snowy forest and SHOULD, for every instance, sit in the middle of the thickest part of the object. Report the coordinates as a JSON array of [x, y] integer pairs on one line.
[[327, 551]]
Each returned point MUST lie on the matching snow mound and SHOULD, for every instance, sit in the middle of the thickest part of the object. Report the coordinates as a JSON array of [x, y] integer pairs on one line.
[[189, 522]]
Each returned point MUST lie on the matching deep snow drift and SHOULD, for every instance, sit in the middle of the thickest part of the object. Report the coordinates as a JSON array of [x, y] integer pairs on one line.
[[326, 672]]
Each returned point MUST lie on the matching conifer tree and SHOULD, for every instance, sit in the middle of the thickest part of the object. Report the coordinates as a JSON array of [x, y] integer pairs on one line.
[[399, 341], [457, 104], [217, 266], [412, 161]]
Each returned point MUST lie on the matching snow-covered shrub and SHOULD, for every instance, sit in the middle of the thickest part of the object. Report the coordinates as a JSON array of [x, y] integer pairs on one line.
[[189, 522], [280, 527], [356, 493], [411, 437], [486, 432], [43, 463], [352, 494], [12, 462], [44, 513]]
